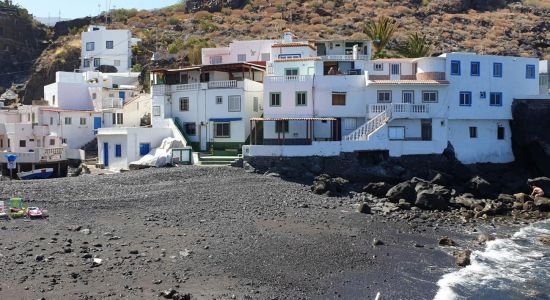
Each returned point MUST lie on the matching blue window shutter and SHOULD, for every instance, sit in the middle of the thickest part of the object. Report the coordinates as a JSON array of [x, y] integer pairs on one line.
[[118, 150], [144, 149]]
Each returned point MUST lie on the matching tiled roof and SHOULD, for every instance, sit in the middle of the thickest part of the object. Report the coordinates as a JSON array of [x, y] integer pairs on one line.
[[295, 44], [411, 82], [298, 59]]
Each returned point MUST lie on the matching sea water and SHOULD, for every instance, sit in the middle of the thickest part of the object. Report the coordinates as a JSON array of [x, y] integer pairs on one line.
[[514, 268]]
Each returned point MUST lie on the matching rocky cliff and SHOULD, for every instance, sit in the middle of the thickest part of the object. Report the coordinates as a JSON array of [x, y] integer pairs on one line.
[[531, 135], [21, 43], [212, 5]]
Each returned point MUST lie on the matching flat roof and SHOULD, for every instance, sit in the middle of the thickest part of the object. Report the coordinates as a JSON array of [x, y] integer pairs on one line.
[[223, 67], [292, 119], [409, 82]]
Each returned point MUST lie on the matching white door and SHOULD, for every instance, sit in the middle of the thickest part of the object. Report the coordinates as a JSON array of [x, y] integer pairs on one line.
[[204, 137], [408, 97], [395, 71]]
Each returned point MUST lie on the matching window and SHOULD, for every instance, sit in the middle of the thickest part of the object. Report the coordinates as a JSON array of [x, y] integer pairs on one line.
[[1, 143], [120, 118], [234, 103], [52, 142], [22, 143], [53, 99], [255, 104], [68, 120], [497, 69], [500, 132], [286, 56], [301, 98], [90, 46], [241, 57], [275, 99], [291, 72], [109, 44], [384, 96], [408, 97], [219, 99], [475, 68], [144, 148], [482, 95], [118, 150], [117, 63], [281, 126], [396, 133], [379, 67], [51, 120], [190, 128], [86, 63], [530, 72], [473, 132], [455, 67], [216, 60], [395, 69], [496, 99], [64, 141], [156, 111], [184, 104], [82, 121], [97, 62], [266, 56], [465, 98], [338, 99], [94, 96], [429, 96], [222, 130]]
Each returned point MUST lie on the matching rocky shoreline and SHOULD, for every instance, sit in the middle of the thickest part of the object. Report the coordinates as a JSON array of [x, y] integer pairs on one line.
[[224, 233]]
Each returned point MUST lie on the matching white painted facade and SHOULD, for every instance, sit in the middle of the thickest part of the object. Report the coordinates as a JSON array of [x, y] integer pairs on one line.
[[102, 46], [213, 111], [405, 106], [239, 52], [118, 147], [544, 66]]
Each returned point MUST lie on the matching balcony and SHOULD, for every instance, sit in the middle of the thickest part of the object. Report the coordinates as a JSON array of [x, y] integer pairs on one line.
[[344, 57], [186, 87], [160, 90], [400, 110], [288, 78], [112, 103], [223, 84], [433, 79]]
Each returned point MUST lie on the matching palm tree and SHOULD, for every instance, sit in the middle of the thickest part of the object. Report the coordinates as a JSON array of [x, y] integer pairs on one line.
[[380, 32], [415, 46]]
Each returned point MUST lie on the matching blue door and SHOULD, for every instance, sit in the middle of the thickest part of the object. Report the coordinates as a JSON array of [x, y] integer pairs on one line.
[[122, 96], [144, 149], [106, 154], [97, 123]]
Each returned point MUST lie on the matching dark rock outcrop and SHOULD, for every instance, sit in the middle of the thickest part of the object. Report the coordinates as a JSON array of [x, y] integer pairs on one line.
[[64, 27], [531, 135], [212, 5], [324, 184], [480, 187], [404, 190], [378, 189], [462, 257]]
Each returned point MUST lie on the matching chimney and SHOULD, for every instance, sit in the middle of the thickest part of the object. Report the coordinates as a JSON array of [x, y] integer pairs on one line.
[[287, 37]]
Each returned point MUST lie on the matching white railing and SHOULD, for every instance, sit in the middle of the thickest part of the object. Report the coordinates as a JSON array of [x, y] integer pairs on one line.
[[41, 130], [399, 110], [112, 103], [287, 78], [223, 84], [159, 90], [344, 57], [366, 130], [186, 87]]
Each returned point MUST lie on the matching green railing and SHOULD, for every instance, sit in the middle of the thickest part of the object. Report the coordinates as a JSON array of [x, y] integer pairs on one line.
[[179, 125]]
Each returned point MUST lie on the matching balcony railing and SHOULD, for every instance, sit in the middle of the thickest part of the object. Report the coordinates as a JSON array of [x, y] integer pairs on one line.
[[41, 130], [399, 110], [160, 90], [288, 78], [224, 84], [38, 154], [344, 57], [186, 87]]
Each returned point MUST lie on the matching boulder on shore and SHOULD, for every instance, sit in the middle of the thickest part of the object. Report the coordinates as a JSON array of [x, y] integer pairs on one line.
[[446, 241], [462, 257], [378, 189], [404, 190], [436, 197], [542, 203], [480, 187], [324, 184]]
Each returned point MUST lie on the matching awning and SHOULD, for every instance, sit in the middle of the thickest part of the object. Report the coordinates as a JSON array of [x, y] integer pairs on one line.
[[225, 119]]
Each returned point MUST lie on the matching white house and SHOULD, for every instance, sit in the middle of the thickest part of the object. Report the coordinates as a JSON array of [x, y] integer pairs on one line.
[[211, 103], [332, 103], [257, 51], [23, 133], [544, 66], [107, 47]]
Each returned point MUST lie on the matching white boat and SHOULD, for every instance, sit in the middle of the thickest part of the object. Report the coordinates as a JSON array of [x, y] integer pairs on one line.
[[36, 174]]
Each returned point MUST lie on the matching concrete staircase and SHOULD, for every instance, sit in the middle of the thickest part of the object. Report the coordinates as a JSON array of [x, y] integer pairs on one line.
[[216, 160]]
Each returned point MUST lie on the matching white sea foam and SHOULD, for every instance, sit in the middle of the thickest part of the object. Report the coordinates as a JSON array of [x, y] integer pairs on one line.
[[506, 269]]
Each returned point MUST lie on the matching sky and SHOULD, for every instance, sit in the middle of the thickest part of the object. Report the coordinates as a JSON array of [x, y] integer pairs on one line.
[[71, 9]]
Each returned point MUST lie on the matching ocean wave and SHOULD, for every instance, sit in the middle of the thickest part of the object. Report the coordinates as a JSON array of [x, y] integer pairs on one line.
[[514, 268]]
